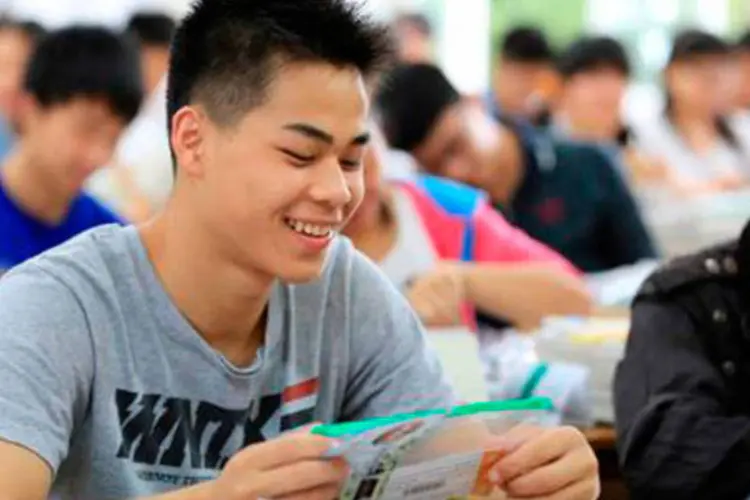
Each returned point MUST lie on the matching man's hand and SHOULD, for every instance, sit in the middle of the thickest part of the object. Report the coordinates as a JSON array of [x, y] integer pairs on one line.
[[289, 468], [438, 295], [547, 464]]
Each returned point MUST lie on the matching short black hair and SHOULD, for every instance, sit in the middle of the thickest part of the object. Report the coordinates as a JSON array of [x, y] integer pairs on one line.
[[31, 29], [86, 61], [418, 21], [693, 43], [151, 29], [410, 101], [591, 53], [226, 52], [526, 44]]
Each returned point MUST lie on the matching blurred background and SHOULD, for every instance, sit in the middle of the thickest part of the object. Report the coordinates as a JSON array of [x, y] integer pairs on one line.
[[464, 32]]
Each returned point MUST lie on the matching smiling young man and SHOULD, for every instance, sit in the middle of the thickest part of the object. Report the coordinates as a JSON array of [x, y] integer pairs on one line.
[[168, 359]]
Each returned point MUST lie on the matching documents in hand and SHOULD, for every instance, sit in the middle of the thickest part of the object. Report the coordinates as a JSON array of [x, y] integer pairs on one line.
[[432, 455]]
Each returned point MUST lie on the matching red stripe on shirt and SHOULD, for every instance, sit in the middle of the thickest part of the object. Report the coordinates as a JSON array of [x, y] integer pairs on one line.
[[301, 390]]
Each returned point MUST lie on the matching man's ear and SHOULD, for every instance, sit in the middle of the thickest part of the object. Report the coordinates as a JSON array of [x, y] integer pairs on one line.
[[188, 140]]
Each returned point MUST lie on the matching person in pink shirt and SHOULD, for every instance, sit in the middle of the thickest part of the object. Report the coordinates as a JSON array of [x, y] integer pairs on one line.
[[452, 254]]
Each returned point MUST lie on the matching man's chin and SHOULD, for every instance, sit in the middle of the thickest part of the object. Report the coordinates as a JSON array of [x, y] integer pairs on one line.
[[301, 272]]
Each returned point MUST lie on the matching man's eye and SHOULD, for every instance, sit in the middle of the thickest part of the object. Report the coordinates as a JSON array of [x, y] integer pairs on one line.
[[298, 157], [351, 164]]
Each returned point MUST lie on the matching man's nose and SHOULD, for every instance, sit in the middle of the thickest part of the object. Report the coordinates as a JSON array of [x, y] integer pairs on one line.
[[330, 185]]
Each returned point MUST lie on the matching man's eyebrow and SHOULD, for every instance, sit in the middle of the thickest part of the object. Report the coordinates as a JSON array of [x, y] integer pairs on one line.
[[317, 134]]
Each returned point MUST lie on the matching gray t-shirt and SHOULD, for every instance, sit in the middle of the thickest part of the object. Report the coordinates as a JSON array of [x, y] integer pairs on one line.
[[103, 377]]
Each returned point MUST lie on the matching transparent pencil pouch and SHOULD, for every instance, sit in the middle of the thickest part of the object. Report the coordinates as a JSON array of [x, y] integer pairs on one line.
[[433, 455]]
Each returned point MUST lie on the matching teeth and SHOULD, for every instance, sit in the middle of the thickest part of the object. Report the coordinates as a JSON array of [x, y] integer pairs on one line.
[[309, 229]]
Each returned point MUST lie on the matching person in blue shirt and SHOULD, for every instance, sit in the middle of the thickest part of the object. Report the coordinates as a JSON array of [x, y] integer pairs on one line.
[[82, 87]]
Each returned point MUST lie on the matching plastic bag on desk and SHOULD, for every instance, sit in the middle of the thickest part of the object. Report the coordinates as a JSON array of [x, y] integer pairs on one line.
[[618, 287], [514, 371], [438, 455]]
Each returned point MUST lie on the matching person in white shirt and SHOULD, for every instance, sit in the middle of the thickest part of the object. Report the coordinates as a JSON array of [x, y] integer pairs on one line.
[[140, 177], [693, 136]]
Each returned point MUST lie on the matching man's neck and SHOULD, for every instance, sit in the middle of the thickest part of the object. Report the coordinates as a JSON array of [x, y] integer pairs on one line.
[[224, 304], [35, 194], [700, 134]]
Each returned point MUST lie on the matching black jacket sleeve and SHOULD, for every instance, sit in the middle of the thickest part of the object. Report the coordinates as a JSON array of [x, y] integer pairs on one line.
[[676, 438]]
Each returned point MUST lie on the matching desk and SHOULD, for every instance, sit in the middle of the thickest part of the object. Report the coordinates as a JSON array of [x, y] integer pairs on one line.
[[603, 440]]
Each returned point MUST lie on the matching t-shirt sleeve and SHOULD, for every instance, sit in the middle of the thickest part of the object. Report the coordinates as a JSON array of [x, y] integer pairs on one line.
[[46, 363], [392, 369]]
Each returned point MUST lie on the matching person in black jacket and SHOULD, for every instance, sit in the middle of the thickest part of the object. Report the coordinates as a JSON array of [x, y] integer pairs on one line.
[[681, 391]]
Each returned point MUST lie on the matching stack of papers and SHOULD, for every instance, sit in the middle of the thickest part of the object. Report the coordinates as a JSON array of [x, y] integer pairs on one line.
[[595, 343]]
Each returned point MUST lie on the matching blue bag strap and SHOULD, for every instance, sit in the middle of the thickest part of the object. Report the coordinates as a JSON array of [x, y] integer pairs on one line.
[[467, 249]]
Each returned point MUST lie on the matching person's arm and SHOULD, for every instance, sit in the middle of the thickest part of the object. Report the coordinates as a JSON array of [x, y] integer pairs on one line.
[[391, 368], [624, 236], [524, 294], [676, 438], [46, 369]]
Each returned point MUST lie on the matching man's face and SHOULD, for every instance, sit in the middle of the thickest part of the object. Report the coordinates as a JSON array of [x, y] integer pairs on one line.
[[273, 189], [593, 98], [463, 145], [700, 83], [520, 87], [154, 64], [367, 214], [70, 141], [743, 73], [15, 50]]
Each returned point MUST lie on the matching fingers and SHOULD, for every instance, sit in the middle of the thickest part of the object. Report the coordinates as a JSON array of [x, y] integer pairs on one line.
[[288, 449], [300, 477], [518, 435], [588, 489], [536, 452], [436, 299], [577, 466]]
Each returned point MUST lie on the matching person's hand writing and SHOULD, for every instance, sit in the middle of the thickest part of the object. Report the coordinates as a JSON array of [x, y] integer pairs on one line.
[[437, 296], [547, 464], [288, 468]]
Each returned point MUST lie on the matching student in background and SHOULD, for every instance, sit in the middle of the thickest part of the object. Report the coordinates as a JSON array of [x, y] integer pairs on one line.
[[595, 72], [693, 136], [450, 253], [414, 38], [168, 360], [81, 89], [153, 31], [566, 195], [740, 112], [524, 82], [140, 178], [18, 39]]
